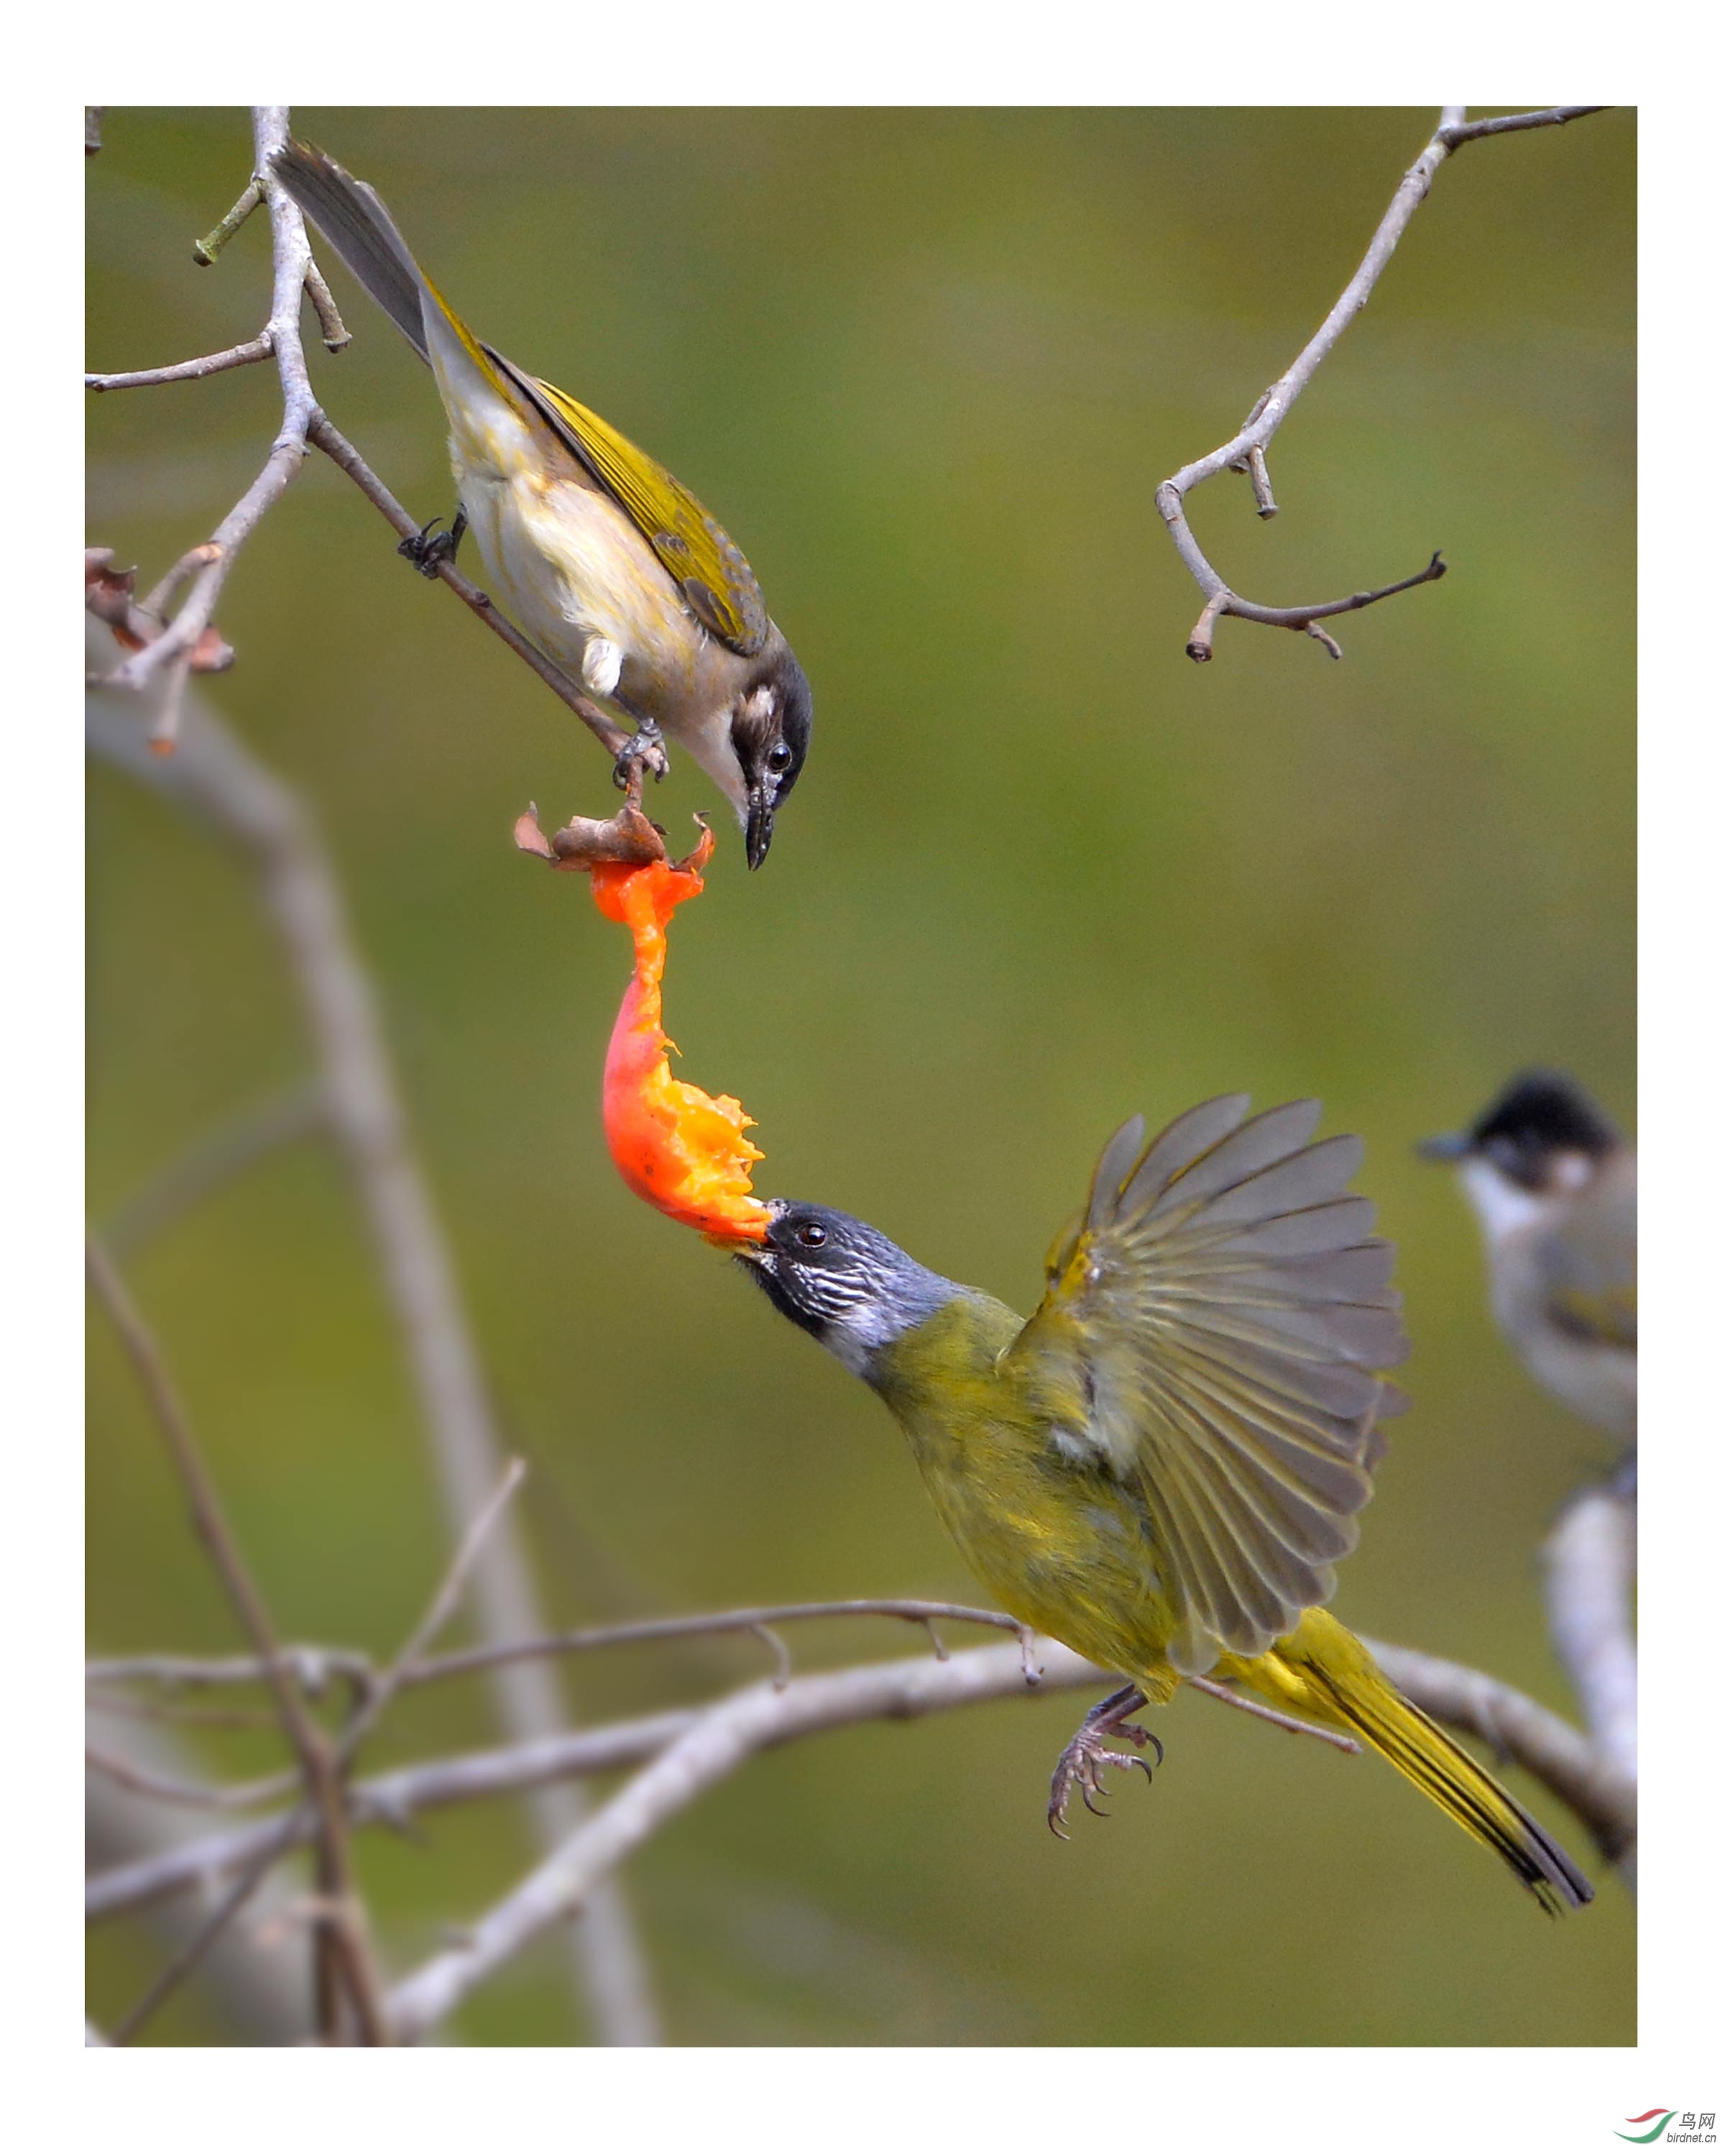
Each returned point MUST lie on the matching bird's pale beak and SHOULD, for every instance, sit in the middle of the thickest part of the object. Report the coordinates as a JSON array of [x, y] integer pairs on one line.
[[1447, 1145], [758, 827]]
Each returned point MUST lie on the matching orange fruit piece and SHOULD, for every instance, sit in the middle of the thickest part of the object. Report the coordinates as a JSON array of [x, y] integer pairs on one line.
[[680, 1149]]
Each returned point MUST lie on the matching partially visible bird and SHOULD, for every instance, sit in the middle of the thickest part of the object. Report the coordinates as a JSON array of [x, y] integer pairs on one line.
[[1553, 1185], [609, 564], [1162, 1467]]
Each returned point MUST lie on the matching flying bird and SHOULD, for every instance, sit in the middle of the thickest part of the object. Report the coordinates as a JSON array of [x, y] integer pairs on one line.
[[1162, 1467]]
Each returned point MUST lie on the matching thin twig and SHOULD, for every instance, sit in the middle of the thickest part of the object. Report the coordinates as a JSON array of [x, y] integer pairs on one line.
[[342, 453], [129, 1708], [311, 1668], [170, 1978], [1512, 123], [1230, 1697], [167, 662], [390, 1799], [345, 1930], [203, 1796], [336, 334], [1245, 452], [439, 1610], [204, 251], [217, 777], [109, 595], [186, 370], [185, 1670]]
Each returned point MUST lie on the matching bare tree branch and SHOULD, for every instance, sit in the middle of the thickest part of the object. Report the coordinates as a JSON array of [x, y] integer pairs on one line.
[[336, 334], [1455, 133], [1590, 1596], [320, 1662], [713, 1743], [205, 250], [165, 662], [217, 777], [187, 370], [376, 1691], [205, 1939], [204, 1796], [344, 1930], [1246, 451], [342, 453], [258, 1973], [1514, 1725], [894, 1689]]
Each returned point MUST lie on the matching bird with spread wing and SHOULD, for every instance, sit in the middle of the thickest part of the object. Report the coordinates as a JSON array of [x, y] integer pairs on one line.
[[1162, 1468]]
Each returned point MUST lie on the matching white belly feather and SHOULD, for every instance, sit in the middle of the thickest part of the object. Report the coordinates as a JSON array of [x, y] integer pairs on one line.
[[568, 564], [571, 567]]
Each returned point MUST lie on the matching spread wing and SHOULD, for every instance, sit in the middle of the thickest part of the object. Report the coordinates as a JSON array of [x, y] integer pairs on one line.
[[701, 559], [1221, 1310]]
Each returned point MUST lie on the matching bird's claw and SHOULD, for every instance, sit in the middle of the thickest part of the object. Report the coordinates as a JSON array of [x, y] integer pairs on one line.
[[643, 750], [427, 547], [1081, 1765]]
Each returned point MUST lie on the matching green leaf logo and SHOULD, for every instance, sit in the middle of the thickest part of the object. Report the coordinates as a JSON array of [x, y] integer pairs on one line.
[[1653, 2132]]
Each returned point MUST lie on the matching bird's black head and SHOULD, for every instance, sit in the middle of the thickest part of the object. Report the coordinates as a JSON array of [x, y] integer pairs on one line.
[[1537, 1119], [771, 722], [841, 1279]]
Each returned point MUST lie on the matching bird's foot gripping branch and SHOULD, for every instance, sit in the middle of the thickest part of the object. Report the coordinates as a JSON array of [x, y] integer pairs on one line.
[[680, 1149]]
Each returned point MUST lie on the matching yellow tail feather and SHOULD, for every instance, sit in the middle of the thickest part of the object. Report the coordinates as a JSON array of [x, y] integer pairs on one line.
[[1326, 1670]]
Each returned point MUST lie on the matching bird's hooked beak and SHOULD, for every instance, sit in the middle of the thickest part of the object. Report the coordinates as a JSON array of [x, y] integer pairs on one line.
[[757, 824], [1447, 1145]]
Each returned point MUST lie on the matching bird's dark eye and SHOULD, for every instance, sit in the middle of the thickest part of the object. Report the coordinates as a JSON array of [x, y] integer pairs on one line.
[[811, 1235], [777, 757]]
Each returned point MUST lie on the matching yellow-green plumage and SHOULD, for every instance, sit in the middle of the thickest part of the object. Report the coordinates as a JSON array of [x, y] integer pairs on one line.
[[1161, 1466]]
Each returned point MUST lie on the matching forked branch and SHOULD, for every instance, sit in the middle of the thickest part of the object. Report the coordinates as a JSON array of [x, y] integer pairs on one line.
[[1246, 451]]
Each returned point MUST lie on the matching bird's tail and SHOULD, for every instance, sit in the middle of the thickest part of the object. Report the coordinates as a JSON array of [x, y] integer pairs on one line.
[[351, 216], [1337, 1681]]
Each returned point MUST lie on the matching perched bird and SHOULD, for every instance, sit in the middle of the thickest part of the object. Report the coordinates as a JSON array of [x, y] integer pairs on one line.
[[609, 564], [1162, 1466], [1553, 1185]]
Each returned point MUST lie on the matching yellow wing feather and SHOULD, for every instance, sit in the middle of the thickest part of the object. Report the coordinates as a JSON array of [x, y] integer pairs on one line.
[[700, 556]]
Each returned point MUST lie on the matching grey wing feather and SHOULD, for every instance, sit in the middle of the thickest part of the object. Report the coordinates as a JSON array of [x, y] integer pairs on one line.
[[351, 217], [1234, 1311], [1119, 1156], [1186, 1139]]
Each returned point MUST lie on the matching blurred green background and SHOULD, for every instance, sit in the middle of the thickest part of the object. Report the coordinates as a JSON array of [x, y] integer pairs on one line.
[[1041, 871]]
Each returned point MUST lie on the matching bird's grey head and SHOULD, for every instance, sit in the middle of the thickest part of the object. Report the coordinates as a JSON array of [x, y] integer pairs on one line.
[[770, 720], [1542, 1132], [842, 1281]]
